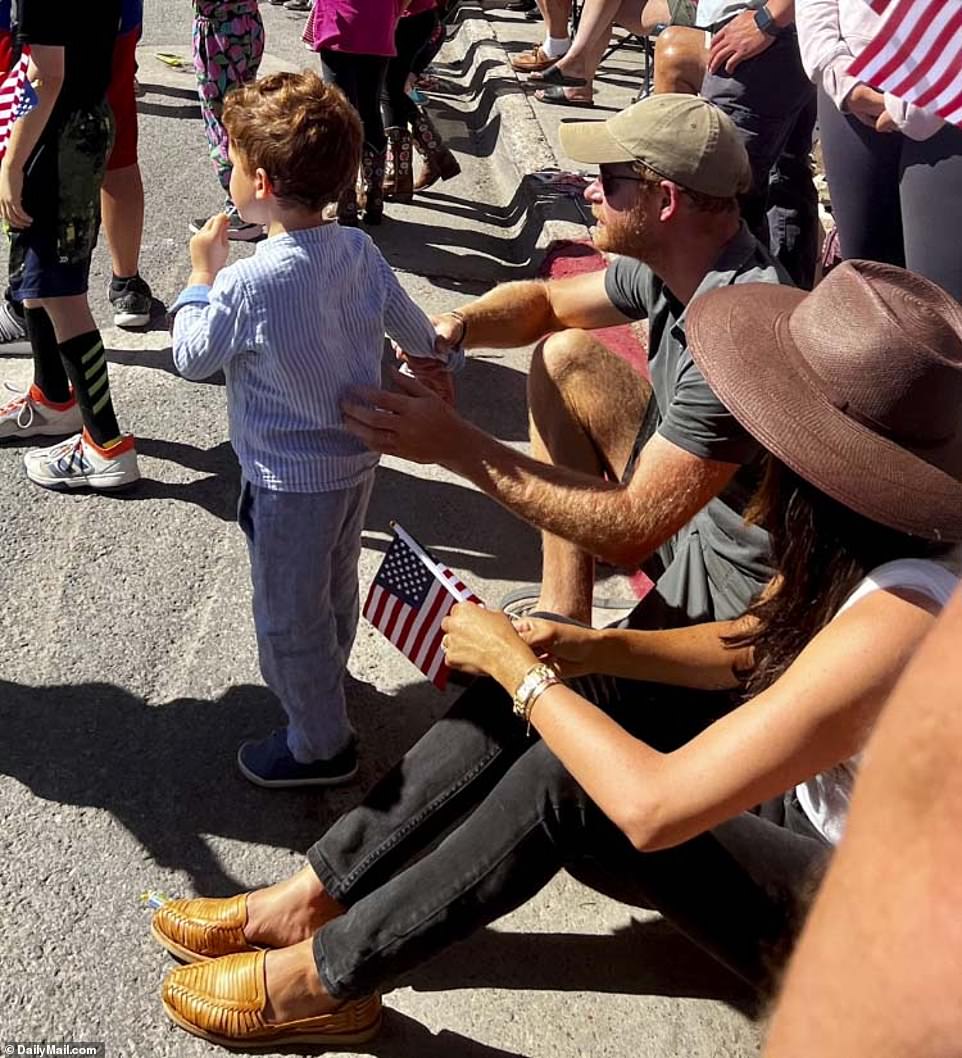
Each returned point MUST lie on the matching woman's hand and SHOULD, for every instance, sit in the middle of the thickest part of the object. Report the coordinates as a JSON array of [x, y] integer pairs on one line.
[[484, 642], [566, 647], [886, 123], [11, 197], [866, 104]]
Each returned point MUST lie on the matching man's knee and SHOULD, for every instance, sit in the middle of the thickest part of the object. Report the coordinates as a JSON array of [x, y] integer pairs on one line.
[[675, 42], [559, 357]]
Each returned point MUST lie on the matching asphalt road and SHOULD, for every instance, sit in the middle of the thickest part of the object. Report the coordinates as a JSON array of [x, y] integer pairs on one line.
[[128, 670]]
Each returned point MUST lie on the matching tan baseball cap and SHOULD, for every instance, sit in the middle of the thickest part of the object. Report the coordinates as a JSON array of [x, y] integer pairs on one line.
[[681, 137]]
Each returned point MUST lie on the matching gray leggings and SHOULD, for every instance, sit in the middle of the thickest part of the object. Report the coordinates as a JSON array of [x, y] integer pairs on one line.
[[895, 199]]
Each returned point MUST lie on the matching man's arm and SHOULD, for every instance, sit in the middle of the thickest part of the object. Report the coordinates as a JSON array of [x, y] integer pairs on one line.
[[623, 524], [878, 970], [516, 314]]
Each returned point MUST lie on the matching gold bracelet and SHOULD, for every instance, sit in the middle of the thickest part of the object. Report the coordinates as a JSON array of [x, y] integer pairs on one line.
[[533, 684]]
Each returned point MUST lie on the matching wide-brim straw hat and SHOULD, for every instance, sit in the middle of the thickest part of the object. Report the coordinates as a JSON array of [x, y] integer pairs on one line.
[[856, 386]]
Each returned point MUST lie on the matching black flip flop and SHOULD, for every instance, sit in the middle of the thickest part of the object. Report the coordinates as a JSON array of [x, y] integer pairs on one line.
[[555, 76], [554, 93]]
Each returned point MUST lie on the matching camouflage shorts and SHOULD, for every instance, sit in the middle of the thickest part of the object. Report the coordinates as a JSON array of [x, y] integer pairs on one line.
[[62, 194]]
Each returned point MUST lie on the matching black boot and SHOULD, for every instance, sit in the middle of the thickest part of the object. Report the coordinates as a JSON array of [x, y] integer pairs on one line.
[[372, 176], [399, 167], [439, 162]]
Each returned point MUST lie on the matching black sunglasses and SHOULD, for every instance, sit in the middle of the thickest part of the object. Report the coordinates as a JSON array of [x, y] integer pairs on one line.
[[609, 180]]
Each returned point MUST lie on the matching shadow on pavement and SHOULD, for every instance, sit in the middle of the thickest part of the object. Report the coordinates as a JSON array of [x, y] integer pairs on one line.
[[461, 527], [167, 772], [645, 957], [403, 1037]]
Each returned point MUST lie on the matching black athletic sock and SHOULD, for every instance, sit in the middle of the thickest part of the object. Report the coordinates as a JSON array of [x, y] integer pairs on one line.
[[120, 282], [49, 375], [86, 365]]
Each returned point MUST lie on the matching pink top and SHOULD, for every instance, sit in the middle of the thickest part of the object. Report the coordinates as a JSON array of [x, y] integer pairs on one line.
[[361, 27]]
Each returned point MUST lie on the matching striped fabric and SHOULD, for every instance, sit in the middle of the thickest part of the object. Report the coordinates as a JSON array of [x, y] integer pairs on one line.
[[294, 328], [17, 98], [916, 55], [409, 598]]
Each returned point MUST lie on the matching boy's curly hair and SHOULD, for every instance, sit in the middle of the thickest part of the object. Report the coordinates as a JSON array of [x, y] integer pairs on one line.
[[302, 132]]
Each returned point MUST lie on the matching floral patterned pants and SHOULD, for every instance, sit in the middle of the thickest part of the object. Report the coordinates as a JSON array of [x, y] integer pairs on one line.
[[228, 43]]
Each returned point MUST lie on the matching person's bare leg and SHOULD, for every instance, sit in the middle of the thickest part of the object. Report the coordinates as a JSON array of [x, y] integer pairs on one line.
[[681, 58], [556, 16], [122, 202], [289, 911], [586, 406], [70, 316], [294, 990], [594, 31]]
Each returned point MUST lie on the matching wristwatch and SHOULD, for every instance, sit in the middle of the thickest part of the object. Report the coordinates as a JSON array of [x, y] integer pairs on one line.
[[765, 22], [533, 684]]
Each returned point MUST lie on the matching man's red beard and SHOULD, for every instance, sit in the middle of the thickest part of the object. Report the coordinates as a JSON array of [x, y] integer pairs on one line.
[[629, 233]]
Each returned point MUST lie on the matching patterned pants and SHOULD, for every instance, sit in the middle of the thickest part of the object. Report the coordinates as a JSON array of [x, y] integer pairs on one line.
[[228, 43]]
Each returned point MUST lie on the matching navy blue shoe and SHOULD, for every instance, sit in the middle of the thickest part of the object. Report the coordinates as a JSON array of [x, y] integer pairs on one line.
[[268, 762]]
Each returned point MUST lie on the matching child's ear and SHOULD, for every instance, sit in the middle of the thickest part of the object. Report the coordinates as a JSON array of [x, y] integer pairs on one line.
[[263, 188]]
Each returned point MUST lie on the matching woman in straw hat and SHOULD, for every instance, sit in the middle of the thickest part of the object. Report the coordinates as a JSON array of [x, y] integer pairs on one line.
[[863, 500]]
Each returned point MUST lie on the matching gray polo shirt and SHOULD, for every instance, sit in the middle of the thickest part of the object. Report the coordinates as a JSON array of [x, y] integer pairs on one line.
[[715, 564]]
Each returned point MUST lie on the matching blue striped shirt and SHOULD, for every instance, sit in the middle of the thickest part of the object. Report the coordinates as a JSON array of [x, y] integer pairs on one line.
[[294, 327]]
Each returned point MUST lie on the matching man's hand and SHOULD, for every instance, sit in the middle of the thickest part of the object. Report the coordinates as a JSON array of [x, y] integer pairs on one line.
[[867, 105], [413, 423], [429, 372], [11, 197], [741, 39], [449, 329], [209, 249]]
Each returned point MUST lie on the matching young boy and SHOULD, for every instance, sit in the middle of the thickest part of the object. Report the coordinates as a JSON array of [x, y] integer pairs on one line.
[[294, 327], [50, 182]]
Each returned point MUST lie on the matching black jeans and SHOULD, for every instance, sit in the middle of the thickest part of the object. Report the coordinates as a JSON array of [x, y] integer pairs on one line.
[[411, 35], [360, 78], [478, 817], [772, 102], [896, 199]]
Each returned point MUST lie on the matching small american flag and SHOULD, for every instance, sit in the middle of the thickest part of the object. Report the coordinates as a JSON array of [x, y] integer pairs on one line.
[[916, 55], [410, 597], [17, 98]]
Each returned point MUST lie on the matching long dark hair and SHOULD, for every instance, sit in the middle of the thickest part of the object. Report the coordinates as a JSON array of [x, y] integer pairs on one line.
[[821, 549]]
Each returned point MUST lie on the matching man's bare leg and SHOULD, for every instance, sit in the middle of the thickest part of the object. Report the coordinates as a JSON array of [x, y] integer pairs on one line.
[[586, 406], [681, 58]]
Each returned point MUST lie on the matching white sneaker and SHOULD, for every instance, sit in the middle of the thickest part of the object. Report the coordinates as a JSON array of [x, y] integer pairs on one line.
[[79, 463], [28, 414]]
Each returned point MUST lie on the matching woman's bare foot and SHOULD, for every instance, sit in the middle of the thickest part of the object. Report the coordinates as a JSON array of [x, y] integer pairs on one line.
[[294, 990], [290, 911]]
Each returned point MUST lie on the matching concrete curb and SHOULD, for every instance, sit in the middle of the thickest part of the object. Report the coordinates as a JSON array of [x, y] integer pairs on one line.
[[521, 148]]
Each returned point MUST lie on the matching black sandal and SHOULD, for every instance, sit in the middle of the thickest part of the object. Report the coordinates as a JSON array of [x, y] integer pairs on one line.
[[555, 76], [555, 94]]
